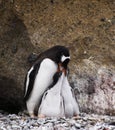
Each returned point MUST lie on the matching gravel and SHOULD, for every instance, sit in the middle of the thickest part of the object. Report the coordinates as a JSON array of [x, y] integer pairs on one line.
[[83, 122]]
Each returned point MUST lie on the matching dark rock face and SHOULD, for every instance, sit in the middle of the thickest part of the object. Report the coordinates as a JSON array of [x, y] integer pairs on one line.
[[11, 97], [85, 27], [15, 46]]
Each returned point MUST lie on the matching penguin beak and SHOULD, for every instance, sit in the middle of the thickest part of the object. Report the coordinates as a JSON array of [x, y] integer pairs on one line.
[[63, 66], [64, 71], [65, 63]]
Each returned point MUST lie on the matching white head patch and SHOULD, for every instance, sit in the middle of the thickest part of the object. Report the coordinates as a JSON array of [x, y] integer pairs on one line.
[[63, 58]]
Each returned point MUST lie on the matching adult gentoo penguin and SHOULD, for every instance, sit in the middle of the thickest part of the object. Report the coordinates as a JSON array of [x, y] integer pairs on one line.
[[40, 76]]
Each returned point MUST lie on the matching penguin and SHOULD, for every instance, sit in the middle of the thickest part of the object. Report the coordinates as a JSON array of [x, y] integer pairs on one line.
[[40, 76], [71, 107], [52, 101]]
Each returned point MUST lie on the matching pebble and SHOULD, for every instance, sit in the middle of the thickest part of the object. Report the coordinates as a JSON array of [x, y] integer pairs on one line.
[[83, 122]]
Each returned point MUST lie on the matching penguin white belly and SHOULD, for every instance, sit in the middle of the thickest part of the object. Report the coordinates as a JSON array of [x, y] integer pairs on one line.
[[43, 79], [70, 103], [52, 102]]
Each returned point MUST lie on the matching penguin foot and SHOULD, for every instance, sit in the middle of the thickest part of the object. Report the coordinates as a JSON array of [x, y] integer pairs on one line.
[[32, 115], [76, 117], [41, 116]]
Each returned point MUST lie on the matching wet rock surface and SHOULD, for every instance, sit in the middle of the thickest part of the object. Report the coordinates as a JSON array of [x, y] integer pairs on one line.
[[83, 122]]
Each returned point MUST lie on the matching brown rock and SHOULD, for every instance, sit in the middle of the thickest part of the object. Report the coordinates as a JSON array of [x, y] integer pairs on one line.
[[85, 27], [15, 46]]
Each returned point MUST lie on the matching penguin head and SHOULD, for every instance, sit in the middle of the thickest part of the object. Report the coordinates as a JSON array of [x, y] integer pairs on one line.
[[59, 54], [63, 56], [65, 60]]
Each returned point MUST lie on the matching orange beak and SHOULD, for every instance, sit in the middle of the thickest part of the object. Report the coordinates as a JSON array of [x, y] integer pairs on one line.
[[61, 69]]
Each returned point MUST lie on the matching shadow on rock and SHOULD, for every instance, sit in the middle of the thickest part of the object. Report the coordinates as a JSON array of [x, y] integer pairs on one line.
[[10, 96], [15, 46]]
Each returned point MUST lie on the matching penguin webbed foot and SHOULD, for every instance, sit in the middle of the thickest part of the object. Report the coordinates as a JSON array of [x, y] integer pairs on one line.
[[75, 117], [33, 116], [41, 116]]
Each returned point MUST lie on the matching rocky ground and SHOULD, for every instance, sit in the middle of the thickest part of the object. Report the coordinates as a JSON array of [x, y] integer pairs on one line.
[[86, 27], [84, 122]]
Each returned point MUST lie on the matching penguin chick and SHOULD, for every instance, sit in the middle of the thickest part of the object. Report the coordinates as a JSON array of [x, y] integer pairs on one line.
[[52, 101]]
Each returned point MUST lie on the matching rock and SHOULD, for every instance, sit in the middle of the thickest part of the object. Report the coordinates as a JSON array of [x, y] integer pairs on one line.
[[15, 46], [23, 122], [94, 88], [102, 19], [32, 58], [84, 27], [9, 100]]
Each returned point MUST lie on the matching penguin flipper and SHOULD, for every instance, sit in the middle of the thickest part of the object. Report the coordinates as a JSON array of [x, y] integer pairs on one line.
[[29, 80]]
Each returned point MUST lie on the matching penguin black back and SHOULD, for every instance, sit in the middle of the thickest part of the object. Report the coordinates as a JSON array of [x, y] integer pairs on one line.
[[54, 53]]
